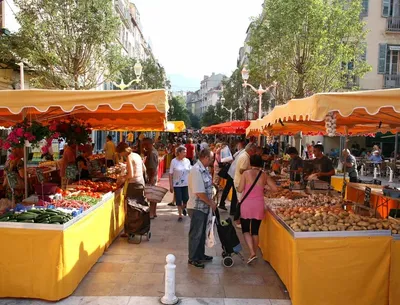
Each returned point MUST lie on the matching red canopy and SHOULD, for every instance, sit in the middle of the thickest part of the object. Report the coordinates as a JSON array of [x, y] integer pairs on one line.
[[234, 127]]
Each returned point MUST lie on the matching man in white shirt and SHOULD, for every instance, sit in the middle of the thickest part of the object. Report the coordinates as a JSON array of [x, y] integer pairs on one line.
[[229, 182]]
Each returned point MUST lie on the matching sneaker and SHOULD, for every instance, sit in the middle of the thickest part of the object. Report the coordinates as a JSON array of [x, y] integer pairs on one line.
[[180, 219], [223, 208], [207, 258], [171, 204], [184, 212], [196, 264]]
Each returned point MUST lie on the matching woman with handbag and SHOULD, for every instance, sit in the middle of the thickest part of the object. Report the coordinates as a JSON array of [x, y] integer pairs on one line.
[[252, 210]]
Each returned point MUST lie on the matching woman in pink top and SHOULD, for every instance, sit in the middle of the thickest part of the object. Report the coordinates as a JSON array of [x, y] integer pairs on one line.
[[252, 208]]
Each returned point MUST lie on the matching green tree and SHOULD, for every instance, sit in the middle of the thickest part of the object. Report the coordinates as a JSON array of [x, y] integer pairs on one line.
[[194, 121], [307, 46], [211, 117], [153, 75], [177, 110], [69, 43]]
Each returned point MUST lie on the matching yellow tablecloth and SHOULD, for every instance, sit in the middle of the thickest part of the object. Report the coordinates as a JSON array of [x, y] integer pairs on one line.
[[337, 182], [328, 271], [49, 264], [394, 292]]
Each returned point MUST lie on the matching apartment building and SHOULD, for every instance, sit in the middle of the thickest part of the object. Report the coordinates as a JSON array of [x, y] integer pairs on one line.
[[210, 89], [382, 19]]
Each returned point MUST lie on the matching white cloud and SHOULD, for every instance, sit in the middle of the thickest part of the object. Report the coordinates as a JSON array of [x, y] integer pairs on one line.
[[194, 38]]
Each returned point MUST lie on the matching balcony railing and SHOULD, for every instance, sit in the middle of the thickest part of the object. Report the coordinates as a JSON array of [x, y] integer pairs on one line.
[[393, 24], [392, 80]]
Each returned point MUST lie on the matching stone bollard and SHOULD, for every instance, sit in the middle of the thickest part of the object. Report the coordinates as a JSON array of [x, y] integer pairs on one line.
[[170, 298]]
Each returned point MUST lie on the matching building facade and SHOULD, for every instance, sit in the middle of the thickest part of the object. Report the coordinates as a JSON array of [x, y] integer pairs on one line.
[[382, 19], [209, 94]]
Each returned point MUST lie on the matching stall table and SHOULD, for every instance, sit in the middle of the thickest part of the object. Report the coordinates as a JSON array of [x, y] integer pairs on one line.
[[329, 268], [49, 261], [337, 183], [394, 284], [378, 201]]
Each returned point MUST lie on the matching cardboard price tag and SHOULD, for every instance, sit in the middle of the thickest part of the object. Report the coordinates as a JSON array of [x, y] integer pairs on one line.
[[71, 171], [40, 175], [12, 179]]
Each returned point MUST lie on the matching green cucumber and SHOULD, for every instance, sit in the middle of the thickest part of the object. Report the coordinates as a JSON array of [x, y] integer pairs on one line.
[[27, 221]]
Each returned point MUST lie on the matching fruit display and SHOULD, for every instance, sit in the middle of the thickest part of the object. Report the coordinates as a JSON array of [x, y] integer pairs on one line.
[[83, 199], [42, 216], [96, 157], [304, 201], [284, 193], [100, 187], [71, 203], [48, 164], [332, 218], [116, 171]]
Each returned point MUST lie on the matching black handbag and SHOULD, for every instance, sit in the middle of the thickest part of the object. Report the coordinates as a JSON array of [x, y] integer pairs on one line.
[[223, 172]]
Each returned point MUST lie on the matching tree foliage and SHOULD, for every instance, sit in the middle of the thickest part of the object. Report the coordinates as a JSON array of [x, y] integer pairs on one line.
[[70, 44], [307, 46], [210, 117], [177, 110], [153, 75], [194, 121]]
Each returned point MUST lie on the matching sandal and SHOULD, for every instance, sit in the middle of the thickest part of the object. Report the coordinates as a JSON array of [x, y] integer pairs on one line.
[[254, 257]]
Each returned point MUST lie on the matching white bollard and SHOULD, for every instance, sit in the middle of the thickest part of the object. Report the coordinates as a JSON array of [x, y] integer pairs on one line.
[[362, 170], [170, 298], [391, 176], [375, 172]]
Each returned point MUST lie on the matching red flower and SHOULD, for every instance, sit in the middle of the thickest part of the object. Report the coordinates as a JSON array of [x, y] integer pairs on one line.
[[45, 149], [7, 145], [53, 127], [78, 130], [19, 132]]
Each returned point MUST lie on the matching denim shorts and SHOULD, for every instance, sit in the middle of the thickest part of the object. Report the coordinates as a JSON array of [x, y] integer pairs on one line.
[[181, 195]]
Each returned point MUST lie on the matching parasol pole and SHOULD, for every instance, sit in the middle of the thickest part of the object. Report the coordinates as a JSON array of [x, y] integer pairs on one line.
[[22, 87], [396, 147], [346, 137]]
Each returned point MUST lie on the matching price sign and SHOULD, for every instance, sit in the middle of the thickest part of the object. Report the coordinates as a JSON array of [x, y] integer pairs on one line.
[[12, 178], [71, 171], [39, 175]]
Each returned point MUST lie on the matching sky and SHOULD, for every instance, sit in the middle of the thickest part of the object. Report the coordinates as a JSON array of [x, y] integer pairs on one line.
[[193, 38]]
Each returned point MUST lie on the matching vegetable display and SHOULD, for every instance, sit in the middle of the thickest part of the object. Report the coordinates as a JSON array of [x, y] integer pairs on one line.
[[101, 187], [43, 216], [71, 203]]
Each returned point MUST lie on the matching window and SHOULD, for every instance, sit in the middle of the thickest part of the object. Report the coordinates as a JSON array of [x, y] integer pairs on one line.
[[364, 11], [385, 8], [389, 62]]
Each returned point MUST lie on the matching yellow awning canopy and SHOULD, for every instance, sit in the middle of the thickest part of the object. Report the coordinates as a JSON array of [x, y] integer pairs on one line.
[[104, 110], [175, 126], [356, 112]]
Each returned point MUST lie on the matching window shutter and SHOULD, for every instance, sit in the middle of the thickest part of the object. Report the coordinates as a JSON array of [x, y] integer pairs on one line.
[[364, 12], [385, 8], [382, 58]]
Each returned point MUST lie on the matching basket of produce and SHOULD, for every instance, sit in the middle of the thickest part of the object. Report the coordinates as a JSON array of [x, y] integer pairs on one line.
[[46, 189], [155, 193], [391, 192]]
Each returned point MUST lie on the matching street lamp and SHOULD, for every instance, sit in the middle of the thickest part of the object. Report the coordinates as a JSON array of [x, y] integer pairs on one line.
[[260, 91], [231, 111], [138, 72]]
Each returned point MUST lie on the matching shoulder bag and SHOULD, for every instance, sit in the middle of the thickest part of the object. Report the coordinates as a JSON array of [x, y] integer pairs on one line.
[[237, 214]]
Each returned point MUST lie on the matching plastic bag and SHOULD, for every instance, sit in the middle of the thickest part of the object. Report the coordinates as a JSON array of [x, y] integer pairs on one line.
[[210, 237]]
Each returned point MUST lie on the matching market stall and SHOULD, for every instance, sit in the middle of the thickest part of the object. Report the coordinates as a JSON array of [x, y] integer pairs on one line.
[[394, 283], [355, 192], [323, 260], [227, 128], [62, 247]]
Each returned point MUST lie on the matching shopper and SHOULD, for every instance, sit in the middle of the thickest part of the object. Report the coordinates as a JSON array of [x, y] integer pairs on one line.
[[151, 164], [242, 165], [252, 205], [178, 180], [200, 201], [82, 163], [217, 161], [350, 163], [69, 158], [229, 181], [190, 151], [109, 149], [296, 164]]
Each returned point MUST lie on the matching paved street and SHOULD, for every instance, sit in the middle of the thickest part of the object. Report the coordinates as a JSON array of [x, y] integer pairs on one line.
[[138, 271]]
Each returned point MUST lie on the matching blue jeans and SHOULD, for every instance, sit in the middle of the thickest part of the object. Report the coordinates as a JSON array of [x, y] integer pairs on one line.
[[197, 235]]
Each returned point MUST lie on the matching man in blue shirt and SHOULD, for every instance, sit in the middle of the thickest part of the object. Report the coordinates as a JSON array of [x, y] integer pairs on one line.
[[376, 157]]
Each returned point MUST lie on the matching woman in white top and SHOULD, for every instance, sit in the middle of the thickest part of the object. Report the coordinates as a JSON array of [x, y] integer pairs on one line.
[[136, 169], [178, 180]]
